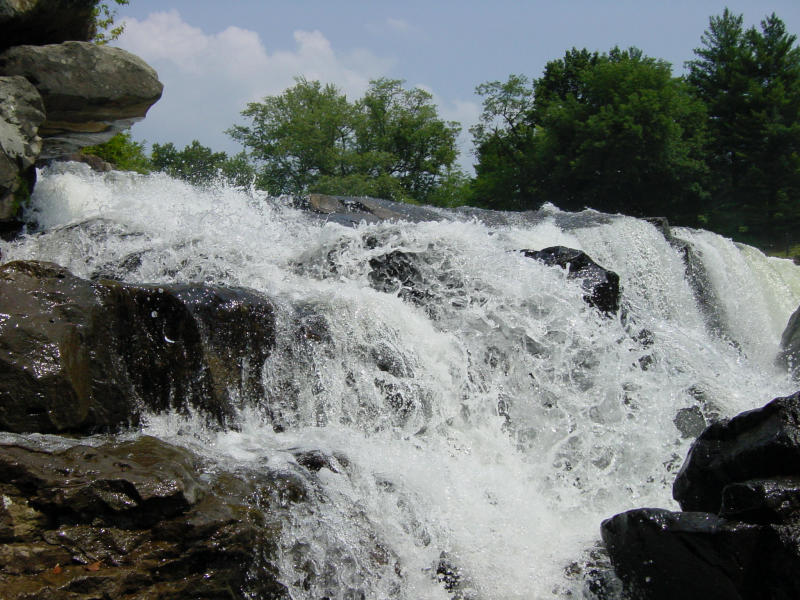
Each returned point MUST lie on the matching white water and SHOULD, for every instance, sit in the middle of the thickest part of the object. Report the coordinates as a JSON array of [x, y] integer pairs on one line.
[[500, 421]]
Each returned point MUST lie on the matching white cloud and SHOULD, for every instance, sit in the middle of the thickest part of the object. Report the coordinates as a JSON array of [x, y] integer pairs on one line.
[[209, 77]]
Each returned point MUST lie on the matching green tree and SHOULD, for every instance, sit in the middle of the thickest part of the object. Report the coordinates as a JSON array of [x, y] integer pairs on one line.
[[104, 15], [390, 143], [200, 165], [298, 137], [504, 141], [122, 152], [615, 132], [750, 83]]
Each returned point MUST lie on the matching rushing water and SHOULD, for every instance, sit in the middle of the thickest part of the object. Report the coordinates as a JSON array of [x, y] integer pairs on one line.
[[491, 417]]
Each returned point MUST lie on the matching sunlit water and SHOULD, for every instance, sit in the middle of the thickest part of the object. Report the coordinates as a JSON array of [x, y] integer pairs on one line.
[[498, 419]]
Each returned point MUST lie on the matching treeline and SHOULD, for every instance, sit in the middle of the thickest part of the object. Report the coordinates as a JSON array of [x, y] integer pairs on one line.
[[617, 131]]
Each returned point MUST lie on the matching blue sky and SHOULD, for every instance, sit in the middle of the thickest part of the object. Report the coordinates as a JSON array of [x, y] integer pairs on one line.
[[213, 57]]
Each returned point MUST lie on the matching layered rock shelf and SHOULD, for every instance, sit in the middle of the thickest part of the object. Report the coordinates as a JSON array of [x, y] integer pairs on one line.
[[59, 92]]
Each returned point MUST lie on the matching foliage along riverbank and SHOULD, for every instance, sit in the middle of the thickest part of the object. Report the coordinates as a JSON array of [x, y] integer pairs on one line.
[[718, 148]]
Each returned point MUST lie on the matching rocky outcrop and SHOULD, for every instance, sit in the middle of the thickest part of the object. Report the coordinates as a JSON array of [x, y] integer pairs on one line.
[[601, 284], [90, 92], [45, 21], [136, 520], [79, 356], [21, 114], [740, 534], [789, 355]]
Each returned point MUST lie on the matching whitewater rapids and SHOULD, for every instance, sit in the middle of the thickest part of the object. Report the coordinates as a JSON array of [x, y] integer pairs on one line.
[[495, 421]]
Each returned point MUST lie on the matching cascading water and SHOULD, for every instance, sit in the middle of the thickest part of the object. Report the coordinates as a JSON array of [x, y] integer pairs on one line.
[[479, 421]]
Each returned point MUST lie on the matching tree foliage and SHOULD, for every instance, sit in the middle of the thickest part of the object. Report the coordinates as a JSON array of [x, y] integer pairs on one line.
[[122, 152], [615, 132], [200, 165], [104, 15], [390, 143], [750, 82]]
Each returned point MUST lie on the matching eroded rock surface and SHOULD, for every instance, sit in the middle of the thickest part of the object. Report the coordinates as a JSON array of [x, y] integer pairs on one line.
[[790, 345], [80, 356], [90, 92], [21, 114], [133, 521], [45, 21]]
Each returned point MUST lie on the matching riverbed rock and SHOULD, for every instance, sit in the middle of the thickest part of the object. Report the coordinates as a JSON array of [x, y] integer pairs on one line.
[[758, 444], [79, 356], [132, 521], [41, 22], [662, 555], [789, 354], [90, 92], [21, 114], [601, 284]]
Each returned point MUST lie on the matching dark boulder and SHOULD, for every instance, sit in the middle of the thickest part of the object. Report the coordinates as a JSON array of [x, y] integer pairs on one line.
[[601, 284], [78, 356], [665, 555], [789, 354], [757, 444], [134, 520], [775, 500], [397, 273], [41, 22], [90, 92]]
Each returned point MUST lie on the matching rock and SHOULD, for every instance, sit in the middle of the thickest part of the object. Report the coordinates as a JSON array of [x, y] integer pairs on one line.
[[81, 356], [789, 355], [660, 554], [397, 273], [758, 444], [21, 114], [90, 92], [136, 520], [763, 501], [602, 284], [45, 21]]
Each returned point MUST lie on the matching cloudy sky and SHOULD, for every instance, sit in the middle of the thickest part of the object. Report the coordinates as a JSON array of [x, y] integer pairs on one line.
[[213, 57]]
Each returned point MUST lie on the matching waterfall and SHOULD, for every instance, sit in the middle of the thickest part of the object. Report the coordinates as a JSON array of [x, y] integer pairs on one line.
[[481, 419]]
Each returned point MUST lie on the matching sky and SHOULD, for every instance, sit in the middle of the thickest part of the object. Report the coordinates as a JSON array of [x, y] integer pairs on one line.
[[214, 57]]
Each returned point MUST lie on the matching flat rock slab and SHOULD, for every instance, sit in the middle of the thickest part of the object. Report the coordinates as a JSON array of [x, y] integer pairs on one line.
[[134, 520]]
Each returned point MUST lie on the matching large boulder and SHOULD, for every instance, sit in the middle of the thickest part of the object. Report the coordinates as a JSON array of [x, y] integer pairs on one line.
[[80, 356], [135, 520], [45, 21], [601, 285], [21, 114], [90, 92], [758, 444], [662, 555], [790, 345]]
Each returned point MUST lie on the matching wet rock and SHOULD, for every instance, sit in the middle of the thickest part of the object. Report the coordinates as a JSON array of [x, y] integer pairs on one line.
[[601, 284], [136, 520], [397, 273], [775, 500], [790, 345], [78, 356], [90, 92], [757, 444], [45, 21], [21, 114], [690, 422], [660, 554]]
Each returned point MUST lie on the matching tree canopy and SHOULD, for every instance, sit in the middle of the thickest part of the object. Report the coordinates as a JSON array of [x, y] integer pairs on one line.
[[390, 143], [749, 80], [615, 132]]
